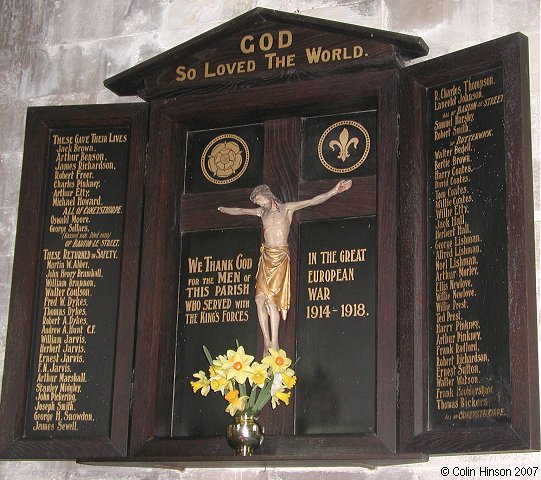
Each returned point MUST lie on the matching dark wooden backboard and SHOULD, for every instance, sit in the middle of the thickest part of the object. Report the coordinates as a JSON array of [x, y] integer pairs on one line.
[[68, 369], [362, 219], [413, 292], [469, 378]]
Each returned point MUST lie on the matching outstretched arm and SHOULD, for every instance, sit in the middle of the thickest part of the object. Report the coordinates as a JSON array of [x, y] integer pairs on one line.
[[239, 211], [340, 187]]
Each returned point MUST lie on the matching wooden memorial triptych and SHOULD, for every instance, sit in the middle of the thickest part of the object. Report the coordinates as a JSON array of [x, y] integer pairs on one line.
[[412, 310]]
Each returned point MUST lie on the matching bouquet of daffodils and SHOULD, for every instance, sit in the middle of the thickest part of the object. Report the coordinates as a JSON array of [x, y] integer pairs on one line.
[[246, 385]]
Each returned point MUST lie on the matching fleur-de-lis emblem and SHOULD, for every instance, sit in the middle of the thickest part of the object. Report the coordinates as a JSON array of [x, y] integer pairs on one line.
[[361, 145], [344, 144]]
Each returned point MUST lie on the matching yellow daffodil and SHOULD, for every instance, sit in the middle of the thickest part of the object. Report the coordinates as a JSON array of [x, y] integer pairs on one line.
[[280, 396], [239, 356], [218, 380], [258, 375], [288, 378], [272, 379], [202, 383], [239, 365], [235, 402], [221, 363], [277, 360]]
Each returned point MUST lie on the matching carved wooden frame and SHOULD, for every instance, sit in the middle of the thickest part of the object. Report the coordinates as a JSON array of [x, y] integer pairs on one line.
[[40, 120], [158, 212], [511, 54], [168, 211]]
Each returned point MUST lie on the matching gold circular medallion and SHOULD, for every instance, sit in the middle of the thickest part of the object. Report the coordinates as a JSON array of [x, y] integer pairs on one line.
[[340, 150], [225, 159]]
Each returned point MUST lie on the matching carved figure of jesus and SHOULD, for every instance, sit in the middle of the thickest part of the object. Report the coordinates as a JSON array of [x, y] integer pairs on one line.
[[272, 294]]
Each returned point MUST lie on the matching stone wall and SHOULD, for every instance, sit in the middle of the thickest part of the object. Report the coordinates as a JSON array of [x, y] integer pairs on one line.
[[58, 52]]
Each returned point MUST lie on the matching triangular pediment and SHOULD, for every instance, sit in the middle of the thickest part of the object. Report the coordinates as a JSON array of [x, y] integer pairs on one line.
[[269, 46]]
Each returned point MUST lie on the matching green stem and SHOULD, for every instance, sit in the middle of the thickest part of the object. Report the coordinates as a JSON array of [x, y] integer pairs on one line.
[[262, 401], [242, 389], [264, 396], [253, 397], [208, 355]]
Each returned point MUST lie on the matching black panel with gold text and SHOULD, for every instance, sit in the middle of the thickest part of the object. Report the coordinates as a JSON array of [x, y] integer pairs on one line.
[[468, 305], [336, 311], [216, 308], [74, 344]]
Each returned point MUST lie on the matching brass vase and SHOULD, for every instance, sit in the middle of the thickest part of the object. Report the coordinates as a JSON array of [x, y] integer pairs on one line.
[[245, 434]]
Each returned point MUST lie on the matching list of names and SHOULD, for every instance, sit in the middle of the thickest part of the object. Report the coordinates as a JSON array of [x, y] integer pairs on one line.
[[76, 314], [467, 245]]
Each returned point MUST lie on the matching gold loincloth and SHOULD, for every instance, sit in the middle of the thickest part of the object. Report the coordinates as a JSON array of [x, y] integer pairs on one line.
[[272, 278]]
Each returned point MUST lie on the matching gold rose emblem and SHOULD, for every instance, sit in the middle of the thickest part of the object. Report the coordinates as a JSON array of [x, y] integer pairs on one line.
[[349, 158], [225, 159]]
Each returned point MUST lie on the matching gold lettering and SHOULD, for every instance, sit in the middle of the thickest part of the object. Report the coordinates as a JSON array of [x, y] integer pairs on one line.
[[457, 351], [247, 45]]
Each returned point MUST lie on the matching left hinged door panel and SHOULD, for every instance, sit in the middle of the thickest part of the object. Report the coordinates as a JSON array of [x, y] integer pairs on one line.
[[69, 353]]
